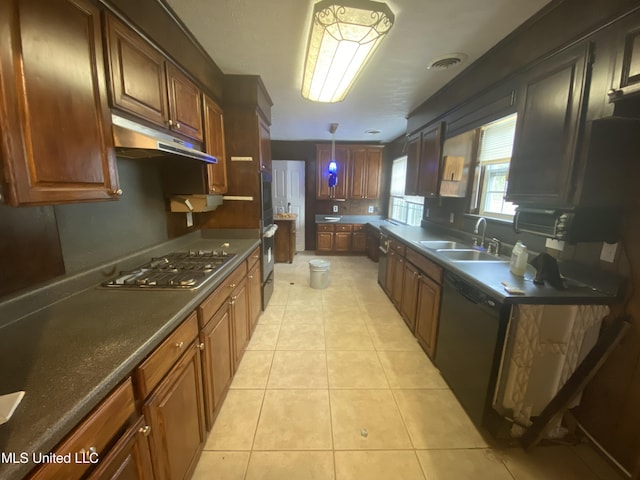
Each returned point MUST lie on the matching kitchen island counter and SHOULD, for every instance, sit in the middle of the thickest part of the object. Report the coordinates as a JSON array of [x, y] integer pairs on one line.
[[68, 343]]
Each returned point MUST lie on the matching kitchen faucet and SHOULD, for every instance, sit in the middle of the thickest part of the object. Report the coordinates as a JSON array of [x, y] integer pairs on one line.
[[484, 229]]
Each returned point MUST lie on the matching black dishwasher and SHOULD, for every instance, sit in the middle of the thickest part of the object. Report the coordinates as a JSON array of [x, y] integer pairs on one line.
[[471, 335]]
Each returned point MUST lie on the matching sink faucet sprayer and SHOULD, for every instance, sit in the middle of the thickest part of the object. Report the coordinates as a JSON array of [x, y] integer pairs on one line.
[[484, 229]]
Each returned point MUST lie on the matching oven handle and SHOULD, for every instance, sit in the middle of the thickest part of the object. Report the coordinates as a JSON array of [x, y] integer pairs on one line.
[[270, 231]]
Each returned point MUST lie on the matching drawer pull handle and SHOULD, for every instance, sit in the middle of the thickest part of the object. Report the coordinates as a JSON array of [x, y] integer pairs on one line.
[[201, 346], [145, 430], [232, 285], [180, 345], [90, 450], [250, 277]]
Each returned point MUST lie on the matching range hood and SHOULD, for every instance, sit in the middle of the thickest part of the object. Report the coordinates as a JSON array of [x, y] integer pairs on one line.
[[134, 141]]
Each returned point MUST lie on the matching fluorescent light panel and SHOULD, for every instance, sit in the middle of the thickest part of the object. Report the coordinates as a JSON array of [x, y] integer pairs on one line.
[[343, 37]]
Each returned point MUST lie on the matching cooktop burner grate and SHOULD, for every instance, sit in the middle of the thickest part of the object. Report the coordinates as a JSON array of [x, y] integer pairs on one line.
[[178, 270]]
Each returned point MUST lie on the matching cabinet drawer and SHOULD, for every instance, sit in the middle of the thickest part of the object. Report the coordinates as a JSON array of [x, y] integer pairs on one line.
[[325, 227], [396, 246], [94, 434], [342, 227], [425, 265], [210, 306], [358, 227], [156, 366], [253, 258]]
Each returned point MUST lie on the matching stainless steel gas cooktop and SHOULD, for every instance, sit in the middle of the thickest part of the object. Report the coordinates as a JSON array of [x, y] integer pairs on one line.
[[178, 270]]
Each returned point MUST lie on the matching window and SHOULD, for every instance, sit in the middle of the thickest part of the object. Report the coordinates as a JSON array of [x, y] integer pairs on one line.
[[403, 208], [492, 169]]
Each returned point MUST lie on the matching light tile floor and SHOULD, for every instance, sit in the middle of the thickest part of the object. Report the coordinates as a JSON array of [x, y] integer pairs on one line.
[[333, 386]]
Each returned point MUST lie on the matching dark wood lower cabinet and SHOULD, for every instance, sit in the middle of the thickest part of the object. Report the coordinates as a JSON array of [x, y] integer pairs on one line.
[[409, 297], [176, 415], [239, 302], [217, 361], [254, 284], [129, 459], [427, 314]]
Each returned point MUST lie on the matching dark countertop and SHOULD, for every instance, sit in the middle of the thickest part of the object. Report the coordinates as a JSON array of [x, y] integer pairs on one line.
[[363, 219], [583, 287], [69, 354]]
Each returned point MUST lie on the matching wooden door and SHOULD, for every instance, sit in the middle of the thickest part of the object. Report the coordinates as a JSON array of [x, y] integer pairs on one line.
[[324, 241], [409, 297], [547, 130], [217, 361], [323, 157], [129, 459], [176, 415], [430, 161], [373, 174], [56, 140], [265, 144], [413, 166], [358, 173], [342, 242], [254, 283], [185, 104], [240, 319], [359, 242], [214, 145], [137, 74], [427, 314]]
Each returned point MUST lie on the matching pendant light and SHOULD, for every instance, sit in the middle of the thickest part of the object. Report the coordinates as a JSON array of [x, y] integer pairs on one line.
[[333, 165]]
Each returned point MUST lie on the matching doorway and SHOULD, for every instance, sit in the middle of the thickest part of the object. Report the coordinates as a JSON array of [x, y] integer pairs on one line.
[[288, 188]]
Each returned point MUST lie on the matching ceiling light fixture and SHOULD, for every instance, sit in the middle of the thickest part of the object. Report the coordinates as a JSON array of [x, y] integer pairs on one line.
[[333, 165], [344, 34]]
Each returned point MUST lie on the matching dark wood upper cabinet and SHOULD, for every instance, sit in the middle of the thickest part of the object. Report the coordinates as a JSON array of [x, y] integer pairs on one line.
[[626, 79], [548, 129], [214, 145], [424, 157], [145, 83], [137, 74], [56, 138], [323, 157], [366, 169]]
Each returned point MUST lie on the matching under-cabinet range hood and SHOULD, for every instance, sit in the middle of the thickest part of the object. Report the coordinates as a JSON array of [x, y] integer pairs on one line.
[[133, 140]]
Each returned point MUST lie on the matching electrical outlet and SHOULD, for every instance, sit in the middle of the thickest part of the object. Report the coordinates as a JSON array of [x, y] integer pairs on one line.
[[452, 217], [608, 253], [335, 209], [370, 209], [189, 219]]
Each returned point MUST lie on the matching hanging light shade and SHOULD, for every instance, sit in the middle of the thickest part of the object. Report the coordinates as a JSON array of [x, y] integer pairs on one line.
[[344, 34], [333, 165]]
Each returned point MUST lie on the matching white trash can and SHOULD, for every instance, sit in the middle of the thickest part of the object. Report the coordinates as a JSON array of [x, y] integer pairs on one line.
[[319, 271]]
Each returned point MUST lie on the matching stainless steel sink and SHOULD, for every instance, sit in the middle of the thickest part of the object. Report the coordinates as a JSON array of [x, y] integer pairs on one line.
[[440, 244], [468, 255]]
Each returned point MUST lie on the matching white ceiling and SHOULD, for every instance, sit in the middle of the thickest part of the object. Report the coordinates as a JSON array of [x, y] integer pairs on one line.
[[268, 38]]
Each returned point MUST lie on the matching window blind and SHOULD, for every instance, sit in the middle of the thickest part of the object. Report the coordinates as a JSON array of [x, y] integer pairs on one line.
[[496, 140]]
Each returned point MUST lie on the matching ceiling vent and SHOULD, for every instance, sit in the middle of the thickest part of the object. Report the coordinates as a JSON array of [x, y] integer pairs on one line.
[[446, 61]]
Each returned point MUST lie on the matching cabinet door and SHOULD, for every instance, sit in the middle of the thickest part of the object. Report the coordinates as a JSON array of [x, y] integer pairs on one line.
[[627, 74], [214, 145], [427, 314], [430, 161], [217, 361], [324, 241], [366, 167], [129, 459], [397, 279], [240, 318], [265, 145], [137, 74], [547, 130], [359, 243], [391, 265], [185, 104], [323, 157], [409, 295], [254, 283], [176, 415], [342, 242], [56, 140], [413, 166]]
